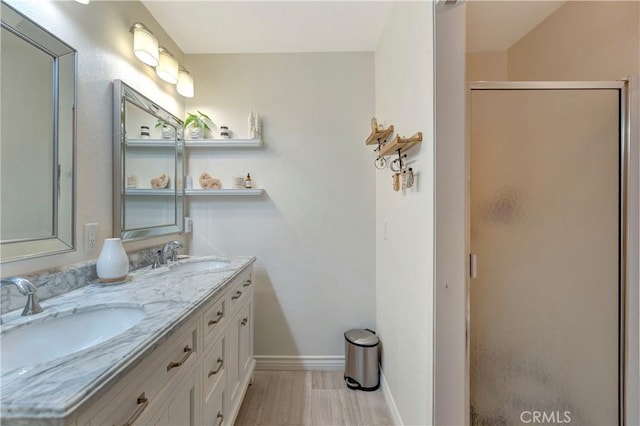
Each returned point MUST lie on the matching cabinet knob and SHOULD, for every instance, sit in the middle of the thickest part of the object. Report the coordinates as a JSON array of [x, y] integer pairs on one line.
[[142, 402], [237, 295], [187, 353], [244, 321], [217, 370], [217, 320], [247, 283], [220, 418]]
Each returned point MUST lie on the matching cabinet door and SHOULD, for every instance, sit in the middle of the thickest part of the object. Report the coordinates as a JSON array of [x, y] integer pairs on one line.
[[245, 340], [233, 366], [183, 409]]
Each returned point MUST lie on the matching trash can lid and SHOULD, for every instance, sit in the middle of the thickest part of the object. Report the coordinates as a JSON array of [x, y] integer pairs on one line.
[[361, 337]]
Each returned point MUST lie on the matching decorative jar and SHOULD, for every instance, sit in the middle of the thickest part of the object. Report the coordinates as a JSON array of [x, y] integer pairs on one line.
[[113, 263]]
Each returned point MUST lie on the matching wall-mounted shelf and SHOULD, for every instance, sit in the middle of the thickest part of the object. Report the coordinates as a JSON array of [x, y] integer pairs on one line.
[[399, 145], [378, 135], [149, 192], [216, 192], [151, 143], [223, 143]]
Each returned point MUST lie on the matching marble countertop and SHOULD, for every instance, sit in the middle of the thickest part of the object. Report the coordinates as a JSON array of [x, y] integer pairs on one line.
[[56, 389]]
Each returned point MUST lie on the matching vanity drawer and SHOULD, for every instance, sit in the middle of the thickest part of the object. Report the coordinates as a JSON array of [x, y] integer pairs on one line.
[[238, 293], [213, 368], [215, 320], [135, 396]]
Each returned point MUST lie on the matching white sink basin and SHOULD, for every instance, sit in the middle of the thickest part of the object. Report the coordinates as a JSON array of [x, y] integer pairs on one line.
[[65, 334], [200, 266]]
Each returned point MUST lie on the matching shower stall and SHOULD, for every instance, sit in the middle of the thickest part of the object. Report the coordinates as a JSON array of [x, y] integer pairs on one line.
[[548, 164]]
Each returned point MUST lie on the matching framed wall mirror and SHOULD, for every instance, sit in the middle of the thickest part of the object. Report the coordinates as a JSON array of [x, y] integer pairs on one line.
[[37, 140], [148, 167]]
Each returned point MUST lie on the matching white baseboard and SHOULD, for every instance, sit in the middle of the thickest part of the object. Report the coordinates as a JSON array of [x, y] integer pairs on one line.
[[388, 397], [277, 362]]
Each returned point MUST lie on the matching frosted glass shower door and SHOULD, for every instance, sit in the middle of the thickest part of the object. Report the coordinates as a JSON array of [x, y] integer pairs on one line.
[[544, 310]]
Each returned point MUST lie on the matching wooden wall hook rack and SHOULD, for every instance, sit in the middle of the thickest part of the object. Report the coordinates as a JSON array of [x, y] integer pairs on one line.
[[400, 145], [379, 135]]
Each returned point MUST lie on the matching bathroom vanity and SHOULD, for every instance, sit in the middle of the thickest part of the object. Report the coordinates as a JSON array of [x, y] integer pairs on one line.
[[189, 359]]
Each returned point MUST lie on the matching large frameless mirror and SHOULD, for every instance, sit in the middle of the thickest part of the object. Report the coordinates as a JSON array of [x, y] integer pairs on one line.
[[37, 140], [148, 161]]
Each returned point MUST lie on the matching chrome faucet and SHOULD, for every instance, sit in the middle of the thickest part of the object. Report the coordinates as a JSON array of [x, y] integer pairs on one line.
[[170, 251], [26, 288]]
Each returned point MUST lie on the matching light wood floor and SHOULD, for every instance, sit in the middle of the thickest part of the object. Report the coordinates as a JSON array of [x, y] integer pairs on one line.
[[309, 398]]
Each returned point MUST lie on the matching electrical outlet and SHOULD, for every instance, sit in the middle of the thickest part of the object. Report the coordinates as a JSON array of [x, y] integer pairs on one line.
[[90, 236]]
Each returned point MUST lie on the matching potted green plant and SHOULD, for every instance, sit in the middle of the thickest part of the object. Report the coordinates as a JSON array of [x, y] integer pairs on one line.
[[197, 123], [167, 131]]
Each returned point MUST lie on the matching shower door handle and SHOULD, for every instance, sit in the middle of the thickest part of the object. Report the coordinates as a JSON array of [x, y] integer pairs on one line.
[[473, 265]]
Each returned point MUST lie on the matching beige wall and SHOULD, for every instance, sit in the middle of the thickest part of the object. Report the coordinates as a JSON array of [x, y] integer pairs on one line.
[[313, 231], [404, 222], [486, 66], [100, 33], [583, 40]]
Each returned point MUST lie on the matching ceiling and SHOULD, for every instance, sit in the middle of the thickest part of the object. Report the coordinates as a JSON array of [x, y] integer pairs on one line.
[[498, 25], [239, 26], [271, 26]]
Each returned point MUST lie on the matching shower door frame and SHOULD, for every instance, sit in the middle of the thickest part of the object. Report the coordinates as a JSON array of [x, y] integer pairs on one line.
[[623, 87]]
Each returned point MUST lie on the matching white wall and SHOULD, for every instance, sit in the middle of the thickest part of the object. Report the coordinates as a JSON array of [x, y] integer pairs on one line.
[[451, 399], [404, 222], [313, 231], [100, 33]]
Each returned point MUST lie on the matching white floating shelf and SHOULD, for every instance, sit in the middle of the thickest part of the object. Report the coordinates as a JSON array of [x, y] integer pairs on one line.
[[150, 191], [151, 143], [209, 192], [223, 143]]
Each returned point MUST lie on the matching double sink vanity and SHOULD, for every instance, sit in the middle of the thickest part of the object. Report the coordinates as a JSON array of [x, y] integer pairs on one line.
[[170, 346]]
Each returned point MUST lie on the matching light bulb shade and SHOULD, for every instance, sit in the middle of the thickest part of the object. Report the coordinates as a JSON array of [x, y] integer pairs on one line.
[[145, 45], [185, 83], [167, 68]]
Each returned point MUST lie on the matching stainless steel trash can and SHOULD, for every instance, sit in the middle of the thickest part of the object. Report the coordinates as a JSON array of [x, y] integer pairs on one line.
[[361, 359]]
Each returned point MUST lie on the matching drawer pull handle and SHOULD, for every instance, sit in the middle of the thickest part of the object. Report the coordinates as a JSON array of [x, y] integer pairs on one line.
[[221, 417], [217, 320], [217, 370], [142, 404], [237, 295], [244, 321], [247, 284], [187, 353]]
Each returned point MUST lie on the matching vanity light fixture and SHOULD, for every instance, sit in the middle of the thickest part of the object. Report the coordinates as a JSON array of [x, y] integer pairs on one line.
[[145, 44], [168, 66], [145, 47], [185, 83]]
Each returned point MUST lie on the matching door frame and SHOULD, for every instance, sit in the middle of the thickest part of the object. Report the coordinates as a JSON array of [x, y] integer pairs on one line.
[[628, 219]]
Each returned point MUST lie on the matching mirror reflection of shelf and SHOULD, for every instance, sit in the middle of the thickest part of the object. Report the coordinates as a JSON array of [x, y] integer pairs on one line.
[[150, 192], [213, 192], [223, 143], [151, 143]]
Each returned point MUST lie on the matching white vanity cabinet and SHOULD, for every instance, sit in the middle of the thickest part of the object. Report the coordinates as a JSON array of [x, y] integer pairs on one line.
[[198, 375]]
